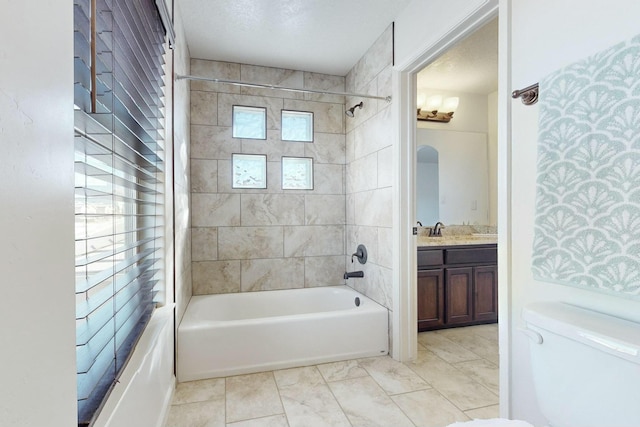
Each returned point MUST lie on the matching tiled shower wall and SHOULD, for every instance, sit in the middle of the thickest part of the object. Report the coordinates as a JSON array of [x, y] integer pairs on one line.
[[263, 239], [369, 174]]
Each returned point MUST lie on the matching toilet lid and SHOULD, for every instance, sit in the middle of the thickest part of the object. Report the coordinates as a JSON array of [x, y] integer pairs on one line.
[[495, 422]]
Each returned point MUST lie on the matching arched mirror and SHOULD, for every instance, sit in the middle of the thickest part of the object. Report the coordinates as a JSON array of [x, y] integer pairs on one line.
[[427, 185]]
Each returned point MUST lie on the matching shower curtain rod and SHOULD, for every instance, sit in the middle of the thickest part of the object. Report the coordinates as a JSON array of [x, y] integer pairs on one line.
[[266, 86]]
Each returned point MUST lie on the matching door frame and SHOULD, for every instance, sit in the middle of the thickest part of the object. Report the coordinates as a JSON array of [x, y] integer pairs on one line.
[[404, 316]]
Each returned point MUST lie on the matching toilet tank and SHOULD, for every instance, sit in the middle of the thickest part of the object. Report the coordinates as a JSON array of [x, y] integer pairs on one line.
[[585, 366]]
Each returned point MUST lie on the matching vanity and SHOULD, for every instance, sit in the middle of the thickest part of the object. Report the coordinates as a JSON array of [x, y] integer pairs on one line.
[[457, 282], [457, 262]]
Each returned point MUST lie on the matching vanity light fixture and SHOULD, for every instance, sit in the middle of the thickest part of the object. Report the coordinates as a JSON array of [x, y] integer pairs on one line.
[[435, 109]]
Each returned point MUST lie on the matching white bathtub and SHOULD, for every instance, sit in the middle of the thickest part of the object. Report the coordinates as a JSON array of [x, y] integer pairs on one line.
[[230, 334]]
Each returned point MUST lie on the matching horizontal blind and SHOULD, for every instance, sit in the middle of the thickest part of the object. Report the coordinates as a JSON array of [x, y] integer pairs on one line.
[[119, 183]]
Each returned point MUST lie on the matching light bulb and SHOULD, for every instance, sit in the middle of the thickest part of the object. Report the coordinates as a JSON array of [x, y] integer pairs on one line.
[[433, 103], [421, 100], [451, 104]]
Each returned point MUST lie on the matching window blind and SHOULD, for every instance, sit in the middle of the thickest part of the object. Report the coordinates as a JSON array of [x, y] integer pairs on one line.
[[119, 183]]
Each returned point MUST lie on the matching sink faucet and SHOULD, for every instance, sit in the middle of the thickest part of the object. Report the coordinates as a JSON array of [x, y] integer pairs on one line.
[[436, 230]]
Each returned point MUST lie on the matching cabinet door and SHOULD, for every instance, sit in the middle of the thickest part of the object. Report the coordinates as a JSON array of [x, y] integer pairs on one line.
[[430, 299], [459, 307], [485, 283]]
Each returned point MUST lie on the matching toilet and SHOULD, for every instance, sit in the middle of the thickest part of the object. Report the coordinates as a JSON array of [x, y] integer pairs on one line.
[[585, 367]]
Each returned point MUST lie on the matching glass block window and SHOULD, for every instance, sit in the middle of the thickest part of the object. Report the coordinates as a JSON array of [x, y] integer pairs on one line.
[[249, 122], [297, 126]]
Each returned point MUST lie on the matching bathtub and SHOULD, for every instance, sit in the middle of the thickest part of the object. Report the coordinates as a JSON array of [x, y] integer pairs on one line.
[[231, 334]]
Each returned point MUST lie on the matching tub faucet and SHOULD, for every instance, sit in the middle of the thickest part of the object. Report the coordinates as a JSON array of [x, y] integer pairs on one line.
[[347, 275], [436, 230]]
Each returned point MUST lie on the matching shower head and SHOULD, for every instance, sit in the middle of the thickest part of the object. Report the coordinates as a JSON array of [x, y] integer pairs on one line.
[[351, 110]]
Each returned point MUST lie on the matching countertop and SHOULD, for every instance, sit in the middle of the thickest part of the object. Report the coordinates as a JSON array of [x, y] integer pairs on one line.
[[454, 240]]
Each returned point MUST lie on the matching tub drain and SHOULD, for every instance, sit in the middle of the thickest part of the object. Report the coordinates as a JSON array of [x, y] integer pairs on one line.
[[357, 301]]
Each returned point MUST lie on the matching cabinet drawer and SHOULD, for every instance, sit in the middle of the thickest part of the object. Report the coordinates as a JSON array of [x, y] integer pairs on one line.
[[430, 258], [471, 255]]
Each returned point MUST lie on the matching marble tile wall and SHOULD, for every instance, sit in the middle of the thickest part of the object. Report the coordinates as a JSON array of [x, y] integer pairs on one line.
[[369, 171], [251, 239]]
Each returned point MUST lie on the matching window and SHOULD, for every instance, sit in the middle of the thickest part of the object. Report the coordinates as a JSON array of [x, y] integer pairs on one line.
[[297, 126], [119, 172], [249, 170], [249, 122], [297, 173]]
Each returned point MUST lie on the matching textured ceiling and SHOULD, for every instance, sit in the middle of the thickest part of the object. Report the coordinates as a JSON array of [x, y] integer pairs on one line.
[[326, 36], [470, 66]]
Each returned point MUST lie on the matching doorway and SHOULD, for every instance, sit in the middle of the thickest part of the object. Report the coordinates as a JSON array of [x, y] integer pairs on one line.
[[455, 185], [461, 151], [405, 85]]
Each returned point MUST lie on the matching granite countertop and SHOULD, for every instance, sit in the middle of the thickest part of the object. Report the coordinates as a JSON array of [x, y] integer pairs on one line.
[[459, 239]]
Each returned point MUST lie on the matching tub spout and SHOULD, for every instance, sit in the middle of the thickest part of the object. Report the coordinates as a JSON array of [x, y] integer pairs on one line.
[[353, 274]]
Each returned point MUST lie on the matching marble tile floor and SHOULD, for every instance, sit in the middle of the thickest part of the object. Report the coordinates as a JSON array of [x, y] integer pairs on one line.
[[455, 378]]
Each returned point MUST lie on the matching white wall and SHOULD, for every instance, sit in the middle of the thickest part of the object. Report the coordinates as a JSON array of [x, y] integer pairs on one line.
[[546, 35], [424, 23], [37, 307]]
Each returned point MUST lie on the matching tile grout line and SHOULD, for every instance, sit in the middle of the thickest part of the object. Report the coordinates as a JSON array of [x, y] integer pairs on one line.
[[225, 401], [335, 397], [439, 392], [338, 400], [457, 369], [284, 409], [390, 396]]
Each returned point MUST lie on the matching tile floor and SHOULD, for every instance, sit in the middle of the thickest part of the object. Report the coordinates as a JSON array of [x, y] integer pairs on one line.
[[455, 378]]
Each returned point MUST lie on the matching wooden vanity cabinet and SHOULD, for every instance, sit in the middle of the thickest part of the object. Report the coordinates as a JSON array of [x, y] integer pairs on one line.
[[430, 289], [459, 295], [430, 299], [485, 294], [457, 286]]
